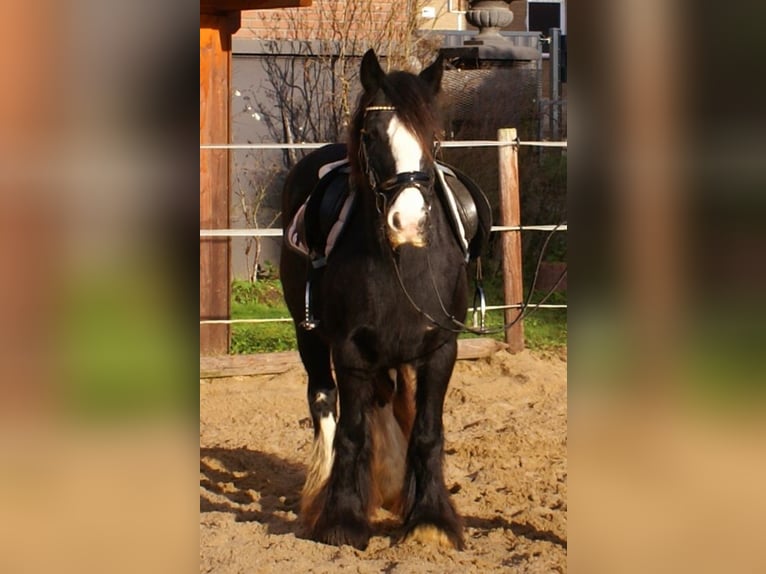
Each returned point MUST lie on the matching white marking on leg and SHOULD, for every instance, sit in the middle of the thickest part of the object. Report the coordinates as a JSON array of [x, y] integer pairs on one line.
[[322, 458], [326, 438]]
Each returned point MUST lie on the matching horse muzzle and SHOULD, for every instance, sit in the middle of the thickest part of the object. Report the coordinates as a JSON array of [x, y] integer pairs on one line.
[[406, 218], [405, 207]]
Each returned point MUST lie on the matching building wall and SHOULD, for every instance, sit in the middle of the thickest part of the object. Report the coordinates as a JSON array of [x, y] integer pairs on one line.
[[316, 22], [311, 23]]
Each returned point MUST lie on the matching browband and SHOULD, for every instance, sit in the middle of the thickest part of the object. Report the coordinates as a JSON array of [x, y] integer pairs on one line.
[[379, 109]]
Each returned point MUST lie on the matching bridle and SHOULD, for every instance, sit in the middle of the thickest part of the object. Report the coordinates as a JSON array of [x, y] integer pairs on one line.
[[388, 190]]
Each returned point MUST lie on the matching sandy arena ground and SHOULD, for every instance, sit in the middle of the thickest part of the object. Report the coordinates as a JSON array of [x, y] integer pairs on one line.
[[506, 465]]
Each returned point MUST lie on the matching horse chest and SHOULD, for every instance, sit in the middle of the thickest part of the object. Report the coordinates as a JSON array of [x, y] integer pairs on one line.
[[381, 311], [373, 296]]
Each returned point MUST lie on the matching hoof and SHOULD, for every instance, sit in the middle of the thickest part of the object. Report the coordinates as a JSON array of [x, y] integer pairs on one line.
[[432, 535], [356, 535]]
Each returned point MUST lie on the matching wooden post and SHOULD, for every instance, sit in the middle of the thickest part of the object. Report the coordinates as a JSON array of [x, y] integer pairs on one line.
[[214, 253], [219, 19], [510, 215]]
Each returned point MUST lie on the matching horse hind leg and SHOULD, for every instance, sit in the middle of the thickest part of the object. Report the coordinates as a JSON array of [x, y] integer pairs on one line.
[[343, 507], [322, 400], [322, 455]]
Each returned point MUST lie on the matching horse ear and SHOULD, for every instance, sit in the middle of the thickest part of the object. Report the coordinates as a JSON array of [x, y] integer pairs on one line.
[[432, 75], [370, 73]]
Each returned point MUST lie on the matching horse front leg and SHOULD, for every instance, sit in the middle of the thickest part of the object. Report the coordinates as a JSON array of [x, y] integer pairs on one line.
[[341, 511], [429, 514]]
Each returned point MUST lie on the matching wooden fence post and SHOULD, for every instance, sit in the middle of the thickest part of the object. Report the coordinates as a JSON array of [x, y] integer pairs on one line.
[[510, 215], [214, 252]]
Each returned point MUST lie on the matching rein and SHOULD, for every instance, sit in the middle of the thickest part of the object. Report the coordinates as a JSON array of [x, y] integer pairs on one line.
[[527, 308]]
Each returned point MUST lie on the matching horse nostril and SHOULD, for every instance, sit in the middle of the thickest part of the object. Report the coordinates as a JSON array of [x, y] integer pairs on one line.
[[397, 221]]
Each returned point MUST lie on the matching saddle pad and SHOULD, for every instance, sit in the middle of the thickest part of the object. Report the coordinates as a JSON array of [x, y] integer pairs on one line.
[[320, 220]]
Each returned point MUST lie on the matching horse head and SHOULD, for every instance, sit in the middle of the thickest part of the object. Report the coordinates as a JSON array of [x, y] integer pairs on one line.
[[393, 135]]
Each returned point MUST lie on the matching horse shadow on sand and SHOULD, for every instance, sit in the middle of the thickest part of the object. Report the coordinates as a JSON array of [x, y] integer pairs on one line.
[[253, 486], [483, 525], [261, 487]]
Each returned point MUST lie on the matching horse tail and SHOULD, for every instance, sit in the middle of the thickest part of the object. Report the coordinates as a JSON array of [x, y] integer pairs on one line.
[[390, 422], [390, 426]]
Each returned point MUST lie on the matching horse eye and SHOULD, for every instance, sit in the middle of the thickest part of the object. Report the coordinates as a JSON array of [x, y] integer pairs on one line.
[[374, 132]]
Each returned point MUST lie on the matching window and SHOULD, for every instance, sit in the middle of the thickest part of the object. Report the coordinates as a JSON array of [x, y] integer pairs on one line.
[[545, 14], [542, 15]]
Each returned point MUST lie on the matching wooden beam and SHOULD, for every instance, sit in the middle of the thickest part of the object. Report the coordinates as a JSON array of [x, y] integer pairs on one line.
[[219, 19], [278, 363], [214, 263]]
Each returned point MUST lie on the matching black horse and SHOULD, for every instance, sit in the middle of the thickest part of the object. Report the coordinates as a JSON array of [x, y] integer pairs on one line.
[[380, 310]]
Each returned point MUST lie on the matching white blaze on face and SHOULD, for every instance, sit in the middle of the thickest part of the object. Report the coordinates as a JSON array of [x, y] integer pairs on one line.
[[406, 214], [404, 146]]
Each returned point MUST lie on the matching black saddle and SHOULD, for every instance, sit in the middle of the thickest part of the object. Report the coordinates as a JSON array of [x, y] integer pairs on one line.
[[319, 224], [322, 219]]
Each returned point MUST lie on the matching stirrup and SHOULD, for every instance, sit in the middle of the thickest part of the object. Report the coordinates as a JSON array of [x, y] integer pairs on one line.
[[308, 323], [482, 309], [479, 294]]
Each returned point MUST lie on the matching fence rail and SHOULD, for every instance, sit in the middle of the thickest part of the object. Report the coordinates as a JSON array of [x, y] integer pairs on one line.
[[444, 144], [288, 319], [277, 232]]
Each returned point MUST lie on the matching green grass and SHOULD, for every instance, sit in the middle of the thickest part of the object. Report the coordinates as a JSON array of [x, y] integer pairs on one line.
[[260, 300], [544, 329]]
